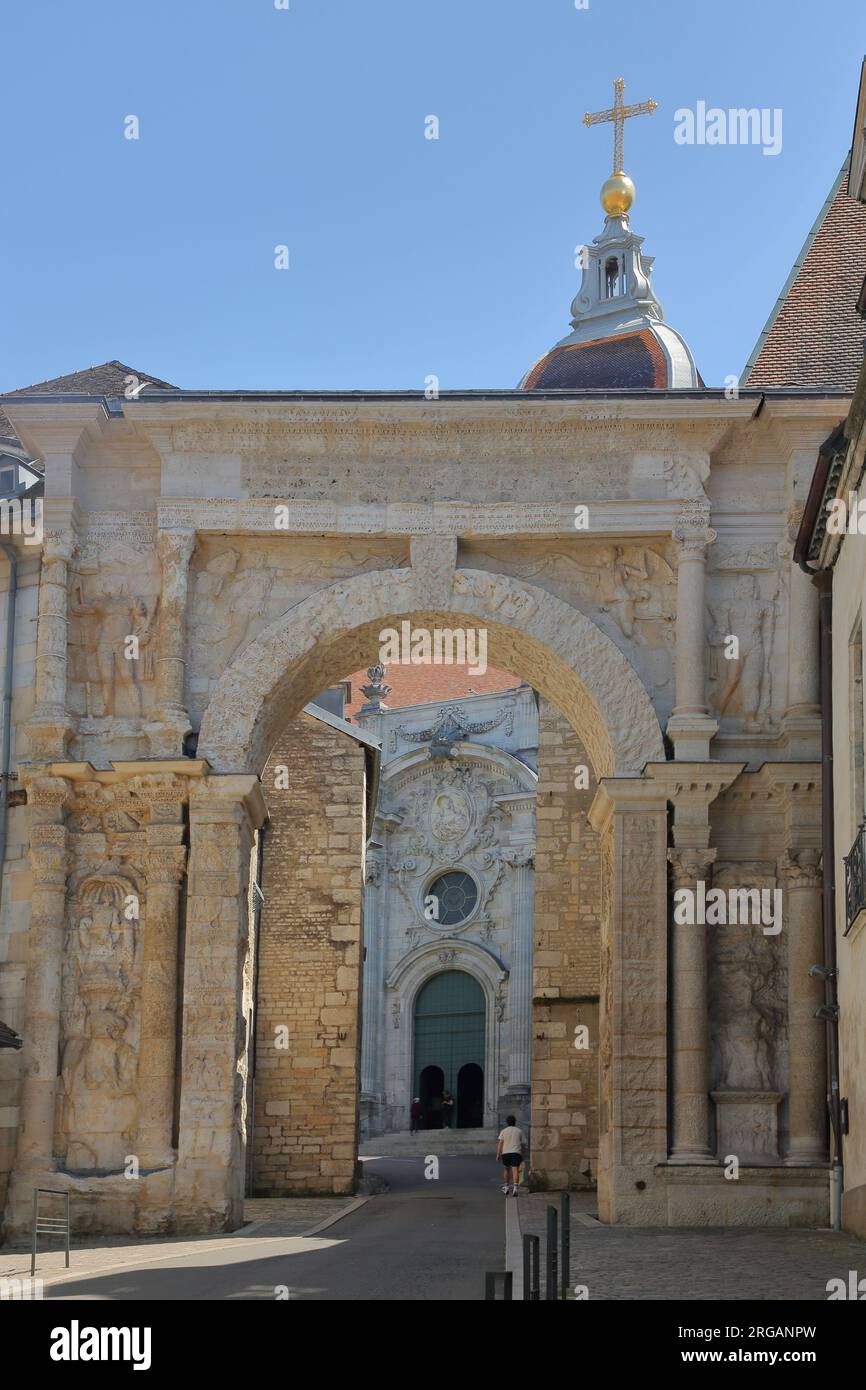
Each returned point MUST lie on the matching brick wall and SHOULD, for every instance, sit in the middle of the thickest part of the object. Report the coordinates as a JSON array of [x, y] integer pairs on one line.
[[566, 964], [309, 966]]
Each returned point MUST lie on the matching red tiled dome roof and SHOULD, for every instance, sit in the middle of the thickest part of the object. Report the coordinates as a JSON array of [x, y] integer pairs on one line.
[[632, 359]]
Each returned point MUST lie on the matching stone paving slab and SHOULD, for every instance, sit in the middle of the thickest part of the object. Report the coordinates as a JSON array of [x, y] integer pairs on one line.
[[265, 1217], [705, 1263]]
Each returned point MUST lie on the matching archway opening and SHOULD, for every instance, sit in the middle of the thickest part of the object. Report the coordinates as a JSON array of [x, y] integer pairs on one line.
[[576, 710], [470, 1096], [525, 629], [450, 1020], [431, 1087]]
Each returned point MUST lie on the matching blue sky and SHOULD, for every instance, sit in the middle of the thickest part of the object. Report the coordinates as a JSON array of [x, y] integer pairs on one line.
[[408, 257]]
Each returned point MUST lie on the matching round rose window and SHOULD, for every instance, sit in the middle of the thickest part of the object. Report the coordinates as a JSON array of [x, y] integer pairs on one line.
[[455, 894]]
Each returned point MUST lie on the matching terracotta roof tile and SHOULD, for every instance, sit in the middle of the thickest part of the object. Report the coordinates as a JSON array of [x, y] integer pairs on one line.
[[627, 359], [815, 337], [417, 685]]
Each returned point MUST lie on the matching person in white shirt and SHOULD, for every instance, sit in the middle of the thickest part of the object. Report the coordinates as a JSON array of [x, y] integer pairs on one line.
[[510, 1150]]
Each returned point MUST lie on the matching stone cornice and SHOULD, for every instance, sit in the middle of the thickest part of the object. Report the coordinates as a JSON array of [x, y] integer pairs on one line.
[[780, 781], [626, 516], [621, 517], [219, 797], [122, 771], [51, 428], [696, 782], [632, 794], [451, 407]]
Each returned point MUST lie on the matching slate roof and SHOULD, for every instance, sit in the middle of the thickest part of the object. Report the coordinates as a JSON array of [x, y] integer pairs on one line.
[[105, 380], [815, 336]]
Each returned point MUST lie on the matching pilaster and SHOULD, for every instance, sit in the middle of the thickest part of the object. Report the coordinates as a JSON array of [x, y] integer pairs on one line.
[[171, 721], [225, 812], [691, 788], [47, 799], [690, 727], [630, 815]]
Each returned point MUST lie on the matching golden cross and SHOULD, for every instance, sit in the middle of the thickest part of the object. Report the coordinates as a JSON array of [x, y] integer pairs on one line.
[[619, 114]]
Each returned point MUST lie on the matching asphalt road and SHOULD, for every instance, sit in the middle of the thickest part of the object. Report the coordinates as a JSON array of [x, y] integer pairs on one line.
[[424, 1239]]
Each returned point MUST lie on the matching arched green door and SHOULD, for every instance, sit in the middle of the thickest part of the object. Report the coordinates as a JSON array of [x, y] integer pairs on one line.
[[449, 1034]]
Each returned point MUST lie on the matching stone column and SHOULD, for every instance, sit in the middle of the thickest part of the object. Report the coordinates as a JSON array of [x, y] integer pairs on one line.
[[690, 1018], [49, 726], [225, 812], [520, 979], [807, 1100], [166, 862], [801, 721], [630, 815], [171, 721], [47, 798], [690, 727], [804, 695], [691, 788], [372, 980]]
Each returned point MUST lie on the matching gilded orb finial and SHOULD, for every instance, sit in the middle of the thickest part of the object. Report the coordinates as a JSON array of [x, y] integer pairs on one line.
[[617, 193]]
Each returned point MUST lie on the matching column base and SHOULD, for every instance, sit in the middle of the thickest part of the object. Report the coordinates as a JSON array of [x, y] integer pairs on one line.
[[690, 1156], [166, 733], [813, 1158], [518, 1103], [801, 732], [49, 732], [691, 735]]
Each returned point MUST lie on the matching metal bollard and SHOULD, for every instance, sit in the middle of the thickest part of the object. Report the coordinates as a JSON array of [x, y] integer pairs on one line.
[[531, 1269], [552, 1289], [490, 1281], [565, 1242], [48, 1225]]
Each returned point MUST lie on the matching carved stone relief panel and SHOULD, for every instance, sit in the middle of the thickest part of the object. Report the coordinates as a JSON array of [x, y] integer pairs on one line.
[[628, 589], [747, 992], [746, 677], [106, 909], [113, 610], [241, 584], [99, 1050]]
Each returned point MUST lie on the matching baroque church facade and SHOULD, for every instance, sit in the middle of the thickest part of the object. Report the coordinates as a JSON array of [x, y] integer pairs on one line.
[[232, 922], [448, 919]]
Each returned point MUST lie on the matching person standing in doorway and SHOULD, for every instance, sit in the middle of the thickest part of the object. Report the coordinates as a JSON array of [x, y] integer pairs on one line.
[[447, 1109], [509, 1151], [416, 1113]]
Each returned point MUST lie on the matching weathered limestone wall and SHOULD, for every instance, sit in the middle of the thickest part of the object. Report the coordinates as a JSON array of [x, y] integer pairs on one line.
[[238, 584], [16, 870], [309, 968], [161, 527], [849, 602], [566, 971]]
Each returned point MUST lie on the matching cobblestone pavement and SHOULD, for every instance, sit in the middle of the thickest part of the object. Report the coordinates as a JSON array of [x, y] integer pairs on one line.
[[266, 1217], [630, 1262]]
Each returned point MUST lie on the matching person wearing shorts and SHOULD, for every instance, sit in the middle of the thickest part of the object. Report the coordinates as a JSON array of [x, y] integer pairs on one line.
[[509, 1151]]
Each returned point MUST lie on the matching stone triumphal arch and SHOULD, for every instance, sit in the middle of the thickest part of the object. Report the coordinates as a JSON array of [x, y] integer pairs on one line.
[[254, 548]]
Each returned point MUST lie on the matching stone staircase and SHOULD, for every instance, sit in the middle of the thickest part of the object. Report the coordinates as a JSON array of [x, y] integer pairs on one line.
[[445, 1143]]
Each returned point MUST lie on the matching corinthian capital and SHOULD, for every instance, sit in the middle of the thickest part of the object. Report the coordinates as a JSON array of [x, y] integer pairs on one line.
[[59, 543], [690, 866], [801, 868], [692, 527], [518, 856], [175, 545]]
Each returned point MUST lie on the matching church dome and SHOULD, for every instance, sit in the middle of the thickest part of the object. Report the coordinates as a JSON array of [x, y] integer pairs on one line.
[[619, 337]]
